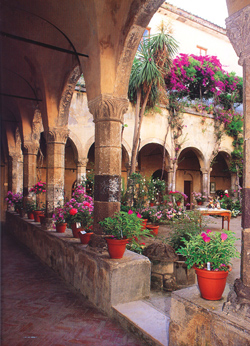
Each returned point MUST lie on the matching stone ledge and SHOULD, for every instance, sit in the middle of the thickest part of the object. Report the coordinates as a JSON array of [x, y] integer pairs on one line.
[[104, 281], [196, 321]]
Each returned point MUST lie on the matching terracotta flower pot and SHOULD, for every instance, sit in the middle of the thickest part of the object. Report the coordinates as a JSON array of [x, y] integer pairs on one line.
[[154, 229], [85, 238], [116, 247], [199, 203], [31, 216], [144, 223], [37, 214], [211, 283], [76, 230], [61, 227], [178, 203]]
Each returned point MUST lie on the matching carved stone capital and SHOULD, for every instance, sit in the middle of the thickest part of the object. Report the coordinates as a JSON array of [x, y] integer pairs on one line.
[[107, 107], [82, 162], [238, 28], [30, 147], [57, 135]]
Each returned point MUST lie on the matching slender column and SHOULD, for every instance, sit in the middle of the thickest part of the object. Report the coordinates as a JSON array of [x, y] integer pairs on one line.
[[108, 114], [29, 165], [238, 28], [56, 140], [81, 170], [206, 181], [234, 183], [171, 179], [15, 172]]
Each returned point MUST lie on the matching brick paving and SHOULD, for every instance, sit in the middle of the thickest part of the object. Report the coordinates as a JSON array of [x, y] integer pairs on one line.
[[39, 309]]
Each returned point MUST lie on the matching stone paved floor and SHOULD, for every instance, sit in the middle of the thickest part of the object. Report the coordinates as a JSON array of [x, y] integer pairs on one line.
[[39, 309]]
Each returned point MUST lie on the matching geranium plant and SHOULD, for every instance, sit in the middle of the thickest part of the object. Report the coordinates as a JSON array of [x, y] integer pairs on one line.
[[124, 225], [210, 250], [39, 187], [59, 215], [199, 197], [155, 216], [178, 196], [14, 199]]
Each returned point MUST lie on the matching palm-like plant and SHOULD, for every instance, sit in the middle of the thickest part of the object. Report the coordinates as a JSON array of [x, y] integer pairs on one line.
[[152, 61]]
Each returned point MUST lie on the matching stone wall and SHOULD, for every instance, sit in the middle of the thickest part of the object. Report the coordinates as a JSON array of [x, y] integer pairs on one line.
[[104, 281]]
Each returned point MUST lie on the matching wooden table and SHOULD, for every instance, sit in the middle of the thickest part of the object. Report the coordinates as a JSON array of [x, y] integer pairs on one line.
[[226, 214]]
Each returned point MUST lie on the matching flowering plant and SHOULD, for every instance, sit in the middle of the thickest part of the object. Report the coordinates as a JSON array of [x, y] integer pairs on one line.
[[38, 188], [199, 197], [210, 247], [15, 199], [124, 225], [59, 215], [79, 211], [155, 216], [178, 196]]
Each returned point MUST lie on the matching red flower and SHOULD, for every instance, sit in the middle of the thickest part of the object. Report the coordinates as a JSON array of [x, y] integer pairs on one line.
[[73, 211]]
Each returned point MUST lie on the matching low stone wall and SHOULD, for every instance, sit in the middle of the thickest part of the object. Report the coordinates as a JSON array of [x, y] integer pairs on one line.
[[104, 281], [196, 321]]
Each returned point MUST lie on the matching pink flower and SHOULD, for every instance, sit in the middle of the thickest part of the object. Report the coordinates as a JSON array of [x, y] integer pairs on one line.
[[73, 211], [208, 231], [206, 239], [130, 212], [223, 236], [138, 215]]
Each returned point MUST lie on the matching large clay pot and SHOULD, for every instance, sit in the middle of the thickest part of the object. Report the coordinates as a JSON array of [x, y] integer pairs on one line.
[[85, 238], [144, 223], [211, 283], [31, 216], [116, 247], [76, 230], [154, 229], [37, 214], [199, 203], [178, 203], [61, 227]]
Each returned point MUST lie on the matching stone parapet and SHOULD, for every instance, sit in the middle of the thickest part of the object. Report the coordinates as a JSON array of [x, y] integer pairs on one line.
[[103, 281]]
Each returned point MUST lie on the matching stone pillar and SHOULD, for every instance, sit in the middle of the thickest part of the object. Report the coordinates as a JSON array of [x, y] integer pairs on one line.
[[238, 31], [108, 114], [171, 187], [56, 139], [234, 183], [29, 165], [15, 172], [206, 181], [81, 170]]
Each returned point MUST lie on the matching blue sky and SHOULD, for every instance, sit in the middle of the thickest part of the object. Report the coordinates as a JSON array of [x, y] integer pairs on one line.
[[213, 10]]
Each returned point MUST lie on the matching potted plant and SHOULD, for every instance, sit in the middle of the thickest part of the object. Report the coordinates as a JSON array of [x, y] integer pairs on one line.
[[178, 197], [154, 219], [38, 189], [59, 218], [210, 254], [200, 199], [145, 213], [122, 228], [87, 232], [29, 207]]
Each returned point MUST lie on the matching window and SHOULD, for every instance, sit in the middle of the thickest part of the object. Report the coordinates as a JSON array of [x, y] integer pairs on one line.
[[202, 50]]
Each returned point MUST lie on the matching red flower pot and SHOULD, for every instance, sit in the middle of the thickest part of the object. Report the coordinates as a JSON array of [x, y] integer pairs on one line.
[[37, 214], [61, 227], [199, 203], [76, 230], [85, 238], [211, 283], [116, 247], [31, 216], [154, 229], [178, 203], [144, 223]]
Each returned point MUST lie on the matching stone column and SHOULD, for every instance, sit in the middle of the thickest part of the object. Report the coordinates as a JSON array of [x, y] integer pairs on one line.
[[15, 172], [205, 181], [238, 29], [56, 139], [81, 170], [234, 183], [30, 150], [108, 112], [171, 187]]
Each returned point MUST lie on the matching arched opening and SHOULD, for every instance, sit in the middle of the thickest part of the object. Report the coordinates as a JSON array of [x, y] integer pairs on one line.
[[70, 169], [220, 176]]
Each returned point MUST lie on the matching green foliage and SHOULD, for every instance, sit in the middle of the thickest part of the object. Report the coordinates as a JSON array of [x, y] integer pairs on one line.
[[136, 247], [186, 227], [136, 193], [124, 225], [156, 190], [213, 247]]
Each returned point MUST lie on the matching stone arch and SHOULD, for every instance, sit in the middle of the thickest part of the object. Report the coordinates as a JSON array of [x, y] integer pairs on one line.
[[87, 145], [65, 100], [127, 148], [220, 173], [78, 149]]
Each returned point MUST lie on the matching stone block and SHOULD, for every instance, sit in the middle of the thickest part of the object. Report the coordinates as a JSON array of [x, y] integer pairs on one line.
[[184, 276], [196, 321], [156, 281], [163, 267]]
